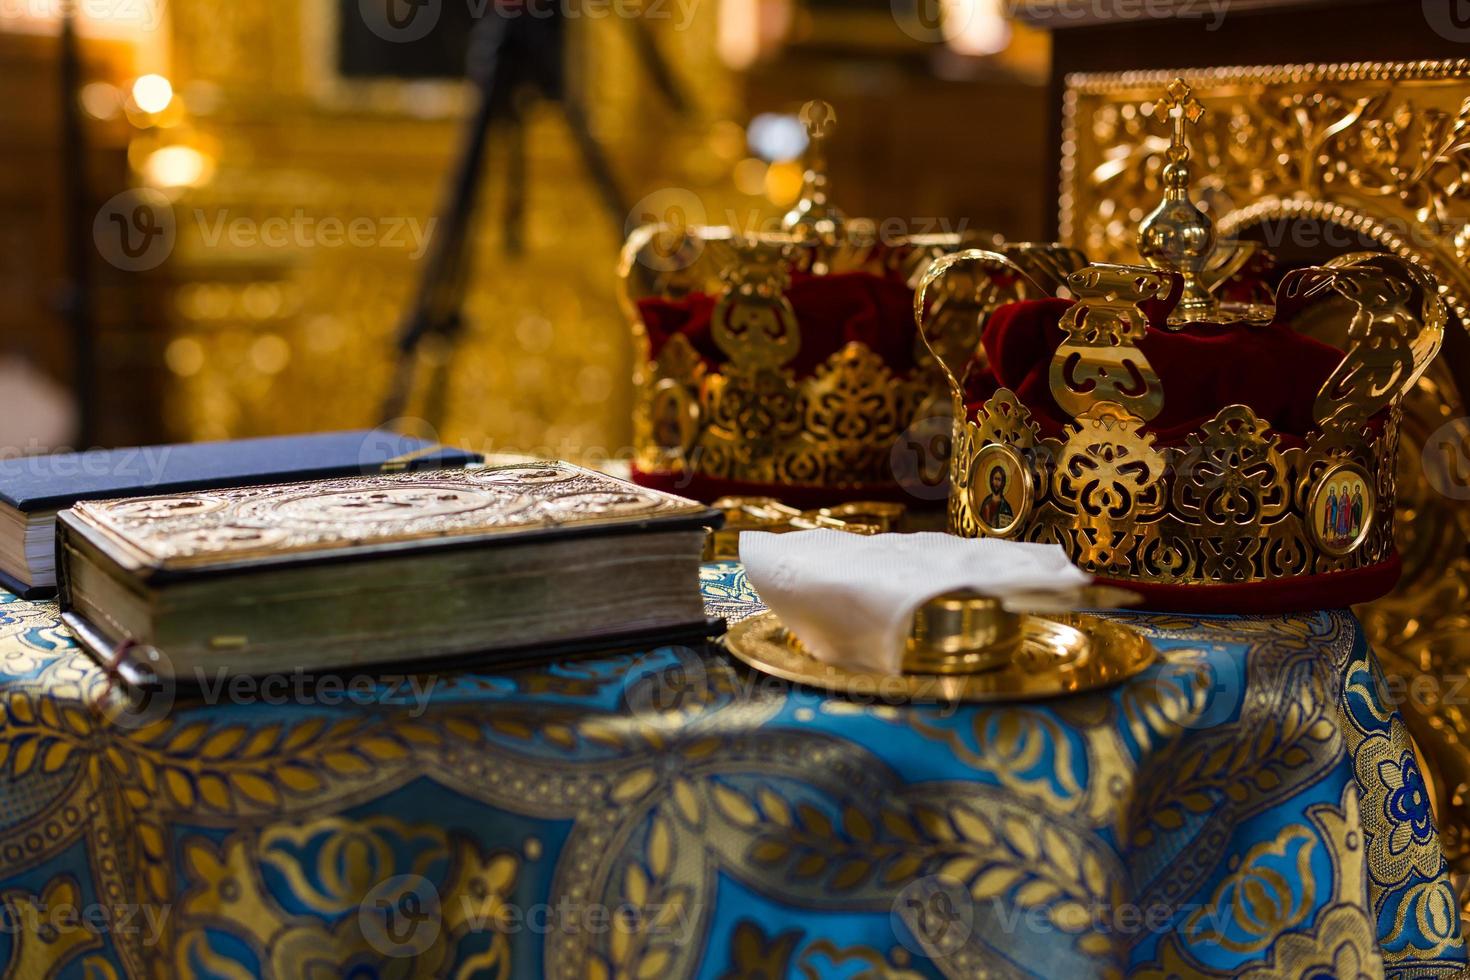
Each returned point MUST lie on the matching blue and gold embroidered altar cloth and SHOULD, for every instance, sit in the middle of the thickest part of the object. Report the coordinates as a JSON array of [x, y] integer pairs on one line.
[[1250, 806]]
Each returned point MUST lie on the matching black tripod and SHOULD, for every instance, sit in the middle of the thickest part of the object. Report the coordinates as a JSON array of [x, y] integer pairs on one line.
[[513, 54]]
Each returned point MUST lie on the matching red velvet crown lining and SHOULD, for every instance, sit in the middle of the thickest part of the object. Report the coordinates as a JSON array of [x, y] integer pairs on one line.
[[831, 311], [1203, 367]]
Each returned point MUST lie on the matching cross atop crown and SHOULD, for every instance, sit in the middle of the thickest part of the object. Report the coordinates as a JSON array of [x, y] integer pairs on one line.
[[819, 118], [815, 218], [1180, 105], [1178, 235]]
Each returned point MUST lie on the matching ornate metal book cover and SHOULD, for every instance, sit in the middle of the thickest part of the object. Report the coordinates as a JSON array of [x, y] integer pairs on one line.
[[288, 523]]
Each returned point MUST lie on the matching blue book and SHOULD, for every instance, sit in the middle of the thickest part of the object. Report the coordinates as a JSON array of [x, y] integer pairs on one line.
[[34, 488]]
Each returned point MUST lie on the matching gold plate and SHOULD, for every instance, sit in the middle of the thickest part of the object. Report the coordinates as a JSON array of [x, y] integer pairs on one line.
[[1058, 655]]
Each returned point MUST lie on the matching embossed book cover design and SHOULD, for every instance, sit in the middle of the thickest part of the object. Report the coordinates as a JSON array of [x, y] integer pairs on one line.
[[253, 524], [531, 558]]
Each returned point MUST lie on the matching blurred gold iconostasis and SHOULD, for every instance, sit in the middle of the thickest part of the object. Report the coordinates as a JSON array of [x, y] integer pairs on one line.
[[292, 200]]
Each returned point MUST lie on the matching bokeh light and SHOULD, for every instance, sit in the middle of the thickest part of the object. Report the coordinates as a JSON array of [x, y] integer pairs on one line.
[[152, 93]]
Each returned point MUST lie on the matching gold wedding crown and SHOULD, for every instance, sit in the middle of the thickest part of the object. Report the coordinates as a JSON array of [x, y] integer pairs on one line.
[[781, 362], [1233, 502]]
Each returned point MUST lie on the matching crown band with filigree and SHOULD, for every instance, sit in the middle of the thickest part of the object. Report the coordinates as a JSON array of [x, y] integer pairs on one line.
[[1231, 502], [747, 416]]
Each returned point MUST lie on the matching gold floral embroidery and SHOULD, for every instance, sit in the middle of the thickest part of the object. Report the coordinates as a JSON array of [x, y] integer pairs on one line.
[[1398, 819]]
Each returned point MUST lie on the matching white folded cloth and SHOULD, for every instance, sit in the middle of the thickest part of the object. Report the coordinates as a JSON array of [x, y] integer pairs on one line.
[[850, 598]]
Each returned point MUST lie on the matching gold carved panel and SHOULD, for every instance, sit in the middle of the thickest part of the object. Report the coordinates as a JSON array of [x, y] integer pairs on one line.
[[1316, 158]]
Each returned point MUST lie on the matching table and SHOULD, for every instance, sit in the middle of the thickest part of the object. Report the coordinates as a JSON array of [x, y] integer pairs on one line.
[[1250, 806]]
